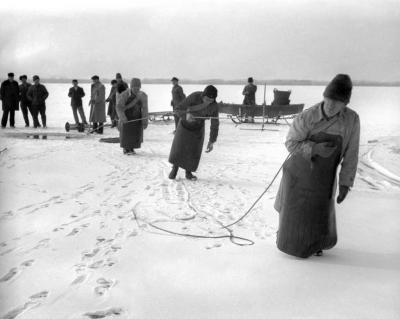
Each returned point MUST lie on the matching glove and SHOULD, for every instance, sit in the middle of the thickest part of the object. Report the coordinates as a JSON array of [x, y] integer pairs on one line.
[[189, 117], [343, 190], [325, 149], [210, 147]]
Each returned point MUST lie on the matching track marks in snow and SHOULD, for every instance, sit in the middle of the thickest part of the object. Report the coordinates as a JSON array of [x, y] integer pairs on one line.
[[33, 301], [16, 270]]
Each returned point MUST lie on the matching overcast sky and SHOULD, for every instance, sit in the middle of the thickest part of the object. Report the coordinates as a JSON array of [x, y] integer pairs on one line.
[[229, 39]]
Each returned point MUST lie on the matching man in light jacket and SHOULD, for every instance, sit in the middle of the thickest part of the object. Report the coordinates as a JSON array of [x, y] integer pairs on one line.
[[97, 105], [319, 139]]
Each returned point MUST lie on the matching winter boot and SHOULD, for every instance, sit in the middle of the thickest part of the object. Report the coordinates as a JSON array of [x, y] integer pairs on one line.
[[174, 171], [190, 176], [319, 253]]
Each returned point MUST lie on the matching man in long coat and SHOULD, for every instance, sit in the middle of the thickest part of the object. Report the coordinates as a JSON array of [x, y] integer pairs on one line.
[[132, 112], [249, 93], [112, 101], [76, 93], [177, 97], [26, 105], [97, 105], [37, 94], [319, 139], [9, 95], [188, 141]]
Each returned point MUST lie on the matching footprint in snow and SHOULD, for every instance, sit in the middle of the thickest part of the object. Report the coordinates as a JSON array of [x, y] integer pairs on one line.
[[103, 286], [73, 232], [11, 273], [104, 313]]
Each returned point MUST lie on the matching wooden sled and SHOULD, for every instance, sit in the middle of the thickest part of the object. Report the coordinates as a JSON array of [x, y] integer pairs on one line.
[[266, 113]]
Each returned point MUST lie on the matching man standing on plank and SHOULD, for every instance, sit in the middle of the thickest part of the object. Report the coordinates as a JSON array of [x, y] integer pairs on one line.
[[26, 105], [97, 105], [320, 138], [177, 97], [189, 137], [9, 96], [37, 94], [76, 94], [132, 111]]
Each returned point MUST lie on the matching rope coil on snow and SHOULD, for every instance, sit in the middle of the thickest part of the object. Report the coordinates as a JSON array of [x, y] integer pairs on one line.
[[231, 236]]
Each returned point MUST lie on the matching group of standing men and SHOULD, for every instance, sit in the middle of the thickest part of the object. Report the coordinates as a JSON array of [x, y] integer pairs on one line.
[[31, 97]]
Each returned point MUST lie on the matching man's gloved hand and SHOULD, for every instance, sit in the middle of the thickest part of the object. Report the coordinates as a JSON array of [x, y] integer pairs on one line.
[[190, 117], [210, 147], [343, 190], [325, 149]]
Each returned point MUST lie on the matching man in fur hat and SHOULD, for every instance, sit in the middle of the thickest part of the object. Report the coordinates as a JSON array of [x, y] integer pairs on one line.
[[319, 139], [132, 111], [188, 141]]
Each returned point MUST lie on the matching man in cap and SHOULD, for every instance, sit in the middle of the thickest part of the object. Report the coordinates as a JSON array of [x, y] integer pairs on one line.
[[249, 93], [9, 95], [37, 94], [132, 111], [319, 139], [97, 104], [76, 93], [177, 97], [188, 141], [26, 105], [112, 101]]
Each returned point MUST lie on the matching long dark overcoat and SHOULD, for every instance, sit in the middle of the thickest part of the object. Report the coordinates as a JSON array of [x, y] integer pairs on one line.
[[9, 93], [188, 141]]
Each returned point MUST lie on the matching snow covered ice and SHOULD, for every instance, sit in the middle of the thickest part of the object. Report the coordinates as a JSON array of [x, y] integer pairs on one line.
[[75, 238]]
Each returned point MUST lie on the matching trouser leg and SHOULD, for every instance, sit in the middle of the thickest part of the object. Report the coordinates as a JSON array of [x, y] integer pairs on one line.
[[35, 114], [4, 119], [82, 114], [12, 118], [42, 111], [24, 110], [100, 129], [75, 113]]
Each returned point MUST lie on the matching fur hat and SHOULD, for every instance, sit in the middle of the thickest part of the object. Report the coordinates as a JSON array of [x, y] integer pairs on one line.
[[35, 77], [136, 82], [10, 75], [211, 92], [95, 77], [339, 88], [250, 80], [175, 79]]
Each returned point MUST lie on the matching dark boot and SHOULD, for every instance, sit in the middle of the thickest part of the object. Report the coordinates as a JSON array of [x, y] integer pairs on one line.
[[174, 171], [190, 176], [319, 253]]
